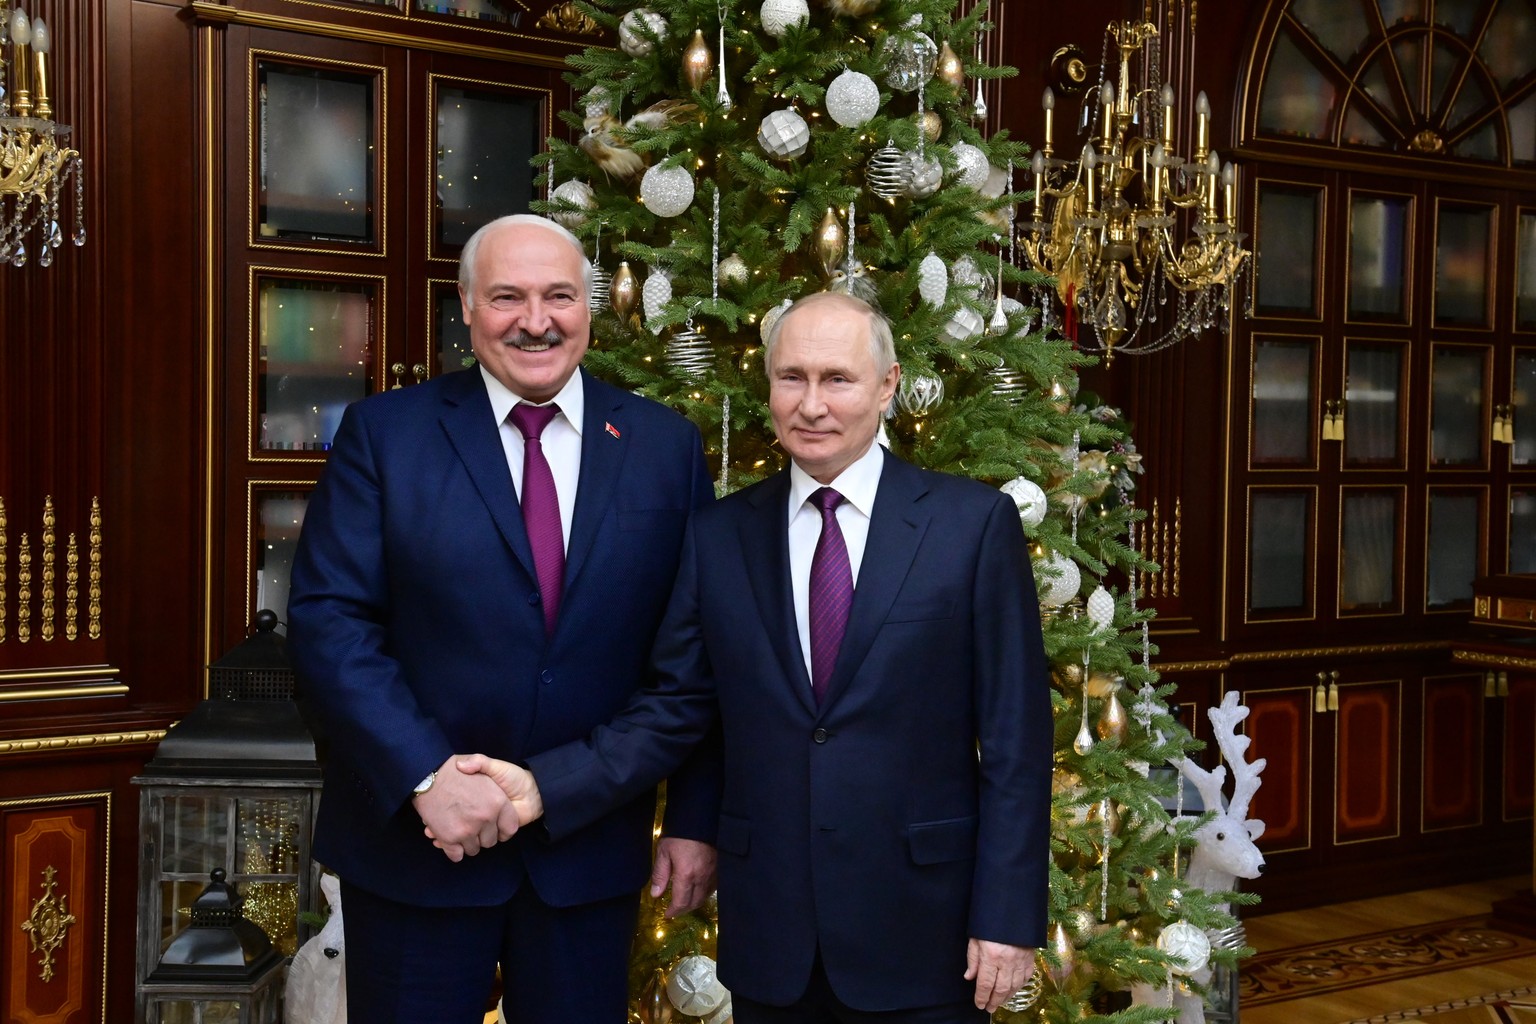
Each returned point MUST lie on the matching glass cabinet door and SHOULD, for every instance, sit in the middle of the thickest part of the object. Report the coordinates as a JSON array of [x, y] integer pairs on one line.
[[1374, 385], [1280, 562], [1284, 401], [449, 334], [1525, 277], [1378, 257], [1286, 248], [1458, 417], [483, 141], [277, 515], [1522, 410], [1454, 547], [1522, 529], [1370, 550], [1463, 254]]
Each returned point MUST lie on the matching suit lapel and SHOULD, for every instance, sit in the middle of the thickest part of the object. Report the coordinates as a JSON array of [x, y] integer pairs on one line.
[[765, 547], [895, 531], [602, 456], [469, 423]]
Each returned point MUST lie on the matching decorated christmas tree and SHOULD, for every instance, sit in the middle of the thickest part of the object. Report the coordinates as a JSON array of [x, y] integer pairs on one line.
[[731, 160]]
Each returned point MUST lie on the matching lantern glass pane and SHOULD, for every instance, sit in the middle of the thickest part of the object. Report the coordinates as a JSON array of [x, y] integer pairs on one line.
[[269, 835], [197, 835], [176, 899]]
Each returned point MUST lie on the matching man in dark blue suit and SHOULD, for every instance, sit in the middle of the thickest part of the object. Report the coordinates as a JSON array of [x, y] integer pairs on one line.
[[884, 832], [421, 631]]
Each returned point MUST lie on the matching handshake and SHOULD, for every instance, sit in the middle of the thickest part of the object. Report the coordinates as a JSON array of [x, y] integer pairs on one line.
[[475, 802]]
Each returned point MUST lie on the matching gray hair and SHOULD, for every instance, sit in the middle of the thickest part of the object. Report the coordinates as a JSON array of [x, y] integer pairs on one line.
[[882, 346], [472, 247]]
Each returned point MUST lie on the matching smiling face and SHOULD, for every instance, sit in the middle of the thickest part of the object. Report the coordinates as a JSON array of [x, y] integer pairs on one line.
[[826, 391], [526, 309]]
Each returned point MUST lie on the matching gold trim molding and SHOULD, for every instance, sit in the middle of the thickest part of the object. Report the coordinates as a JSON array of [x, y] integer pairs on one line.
[[56, 743], [48, 924], [1496, 660], [46, 565], [1247, 657]]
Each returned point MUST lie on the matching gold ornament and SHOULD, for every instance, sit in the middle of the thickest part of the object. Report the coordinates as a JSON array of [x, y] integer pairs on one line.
[[950, 68], [624, 291], [1062, 958], [655, 1008], [1113, 724], [1068, 675], [932, 125], [698, 62], [831, 240], [1100, 684]]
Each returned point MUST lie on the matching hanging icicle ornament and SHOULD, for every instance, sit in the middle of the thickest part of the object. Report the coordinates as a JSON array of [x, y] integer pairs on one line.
[[889, 173], [779, 16], [666, 191], [577, 194], [714, 244], [851, 278], [725, 444], [784, 134], [722, 94], [933, 280], [1107, 838], [979, 109], [689, 353], [654, 296], [639, 29], [1083, 743], [852, 98], [998, 325]]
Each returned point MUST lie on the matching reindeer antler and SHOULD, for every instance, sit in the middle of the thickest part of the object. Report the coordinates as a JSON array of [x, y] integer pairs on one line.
[[1225, 720]]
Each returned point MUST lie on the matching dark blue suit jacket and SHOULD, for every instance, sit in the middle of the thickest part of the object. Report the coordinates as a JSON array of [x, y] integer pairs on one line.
[[869, 827], [416, 631]]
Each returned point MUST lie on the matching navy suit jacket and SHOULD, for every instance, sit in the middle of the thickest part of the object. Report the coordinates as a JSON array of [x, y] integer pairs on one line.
[[415, 630], [906, 814]]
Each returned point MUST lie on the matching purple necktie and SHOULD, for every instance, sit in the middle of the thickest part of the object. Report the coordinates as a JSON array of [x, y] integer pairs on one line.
[[541, 508], [831, 592]]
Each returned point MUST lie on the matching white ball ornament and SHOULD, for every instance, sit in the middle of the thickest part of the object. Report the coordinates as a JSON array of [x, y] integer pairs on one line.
[[970, 165], [772, 317], [1189, 947], [1101, 608], [927, 174], [784, 134], [633, 27], [722, 1014], [852, 99], [693, 988], [933, 280], [733, 270], [577, 193], [1059, 581], [666, 191], [779, 16], [1029, 498], [918, 394], [965, 326]]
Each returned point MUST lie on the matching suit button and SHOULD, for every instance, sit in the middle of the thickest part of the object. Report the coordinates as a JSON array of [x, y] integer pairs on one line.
[[533, 598], [546, 677], [820, 735]]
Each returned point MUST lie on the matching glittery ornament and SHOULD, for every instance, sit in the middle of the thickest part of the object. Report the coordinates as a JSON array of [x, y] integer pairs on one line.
[[656, 293], [577, 194], [970, 165], [784, 134], [948, 67], [1101, 608], [690, 353], [931, 124], [1187, 945], [779, 16], [965, 274], [599, 102], [698, 62], [965, 325], [733, 270], [889, 172], [918, 394], [926, 175], [1029, 498], [909, 59], [624, 291], [666, 191], [693, 987], [1112, 724], [636, 28], [1059, 581], [852, 99], [830, 241], [1063, 957], [772, 317], [933, 280], [1025, 997]]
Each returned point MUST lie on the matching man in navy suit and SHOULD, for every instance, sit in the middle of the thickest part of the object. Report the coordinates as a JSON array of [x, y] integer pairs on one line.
[[420, 632], [884, 831]]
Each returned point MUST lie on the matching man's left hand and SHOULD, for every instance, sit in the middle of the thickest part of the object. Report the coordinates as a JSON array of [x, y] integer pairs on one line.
[[689, 866], [998, 970]]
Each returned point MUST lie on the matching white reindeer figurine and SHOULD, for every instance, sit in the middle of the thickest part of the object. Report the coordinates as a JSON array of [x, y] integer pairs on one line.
[[1225, 847]]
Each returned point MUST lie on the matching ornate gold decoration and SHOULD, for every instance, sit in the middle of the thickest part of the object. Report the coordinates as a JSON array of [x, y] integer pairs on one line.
[[1178, 541], [1427, 141], [1496, 660], [71, 589], [35, 162], [24, 590], [48, 924], [49, 521], [1295, 654], [1109, 236], [94, 610], [2, 570], [40, 744], [567, 17]]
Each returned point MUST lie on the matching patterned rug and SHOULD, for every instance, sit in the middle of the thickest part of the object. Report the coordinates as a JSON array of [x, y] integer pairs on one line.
[[1512, 1007], [1302, 971]]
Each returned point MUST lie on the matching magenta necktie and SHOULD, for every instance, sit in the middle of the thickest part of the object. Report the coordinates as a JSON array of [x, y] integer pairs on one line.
[[541, 508], [831, 592]]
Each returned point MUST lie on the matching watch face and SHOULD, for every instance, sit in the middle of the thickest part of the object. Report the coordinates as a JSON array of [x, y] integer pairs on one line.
[[426, 783]]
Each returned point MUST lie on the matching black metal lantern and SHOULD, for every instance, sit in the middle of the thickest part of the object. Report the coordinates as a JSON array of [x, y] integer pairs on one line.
[[231, 793]]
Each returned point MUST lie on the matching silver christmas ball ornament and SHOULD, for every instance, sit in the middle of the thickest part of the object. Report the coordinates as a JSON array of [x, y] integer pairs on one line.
[[1188, 945], [784, 134], [1029, 498], [779, 16], [577, 194], [693, 988], [970, 165], [964, 327], [636, 29], [666, 191], [770, 318], [927, 174], [852, 99], [919, 394], [910, 57], [1057, 579], [733, 270]]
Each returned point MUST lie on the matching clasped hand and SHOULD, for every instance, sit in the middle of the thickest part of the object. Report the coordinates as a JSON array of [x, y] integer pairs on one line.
[[475, 803]]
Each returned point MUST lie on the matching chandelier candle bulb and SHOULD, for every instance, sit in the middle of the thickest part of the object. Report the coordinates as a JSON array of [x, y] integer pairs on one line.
[[1229, 186], [1202, 126], [1048, 104], [1166, 96], [1107, 101], [21, 35], [1213, 184], [1090, 175], [1037, 164], [1159, 160], [42, 108]]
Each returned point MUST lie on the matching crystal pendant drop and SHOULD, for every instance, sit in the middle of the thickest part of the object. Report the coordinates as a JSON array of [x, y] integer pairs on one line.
[[19, 255]]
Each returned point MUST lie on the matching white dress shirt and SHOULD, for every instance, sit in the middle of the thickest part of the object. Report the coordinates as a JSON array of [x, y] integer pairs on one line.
[[857, 484], [561, 441]]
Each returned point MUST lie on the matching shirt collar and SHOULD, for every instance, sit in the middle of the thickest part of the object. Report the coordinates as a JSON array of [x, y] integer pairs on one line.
[[857, 483], [571, 399]]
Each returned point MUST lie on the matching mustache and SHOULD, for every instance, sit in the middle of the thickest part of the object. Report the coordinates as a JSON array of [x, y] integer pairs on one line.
[[522, 339]]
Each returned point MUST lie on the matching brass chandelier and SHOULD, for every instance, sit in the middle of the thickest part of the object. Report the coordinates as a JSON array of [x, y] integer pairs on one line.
[[1107, 224], [36, 163]]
